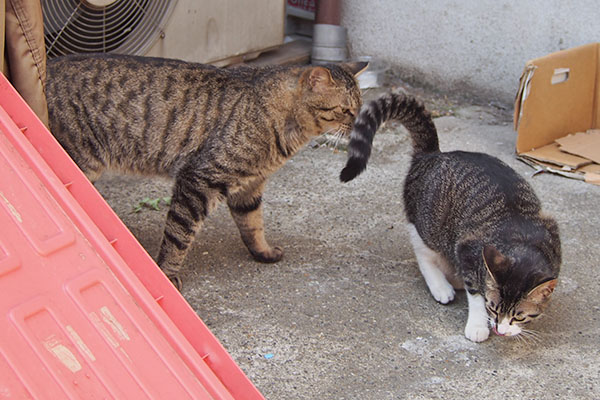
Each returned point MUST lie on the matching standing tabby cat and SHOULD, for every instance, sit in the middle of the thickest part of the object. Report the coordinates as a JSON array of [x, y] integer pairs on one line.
[[219, 132], [473, 221]]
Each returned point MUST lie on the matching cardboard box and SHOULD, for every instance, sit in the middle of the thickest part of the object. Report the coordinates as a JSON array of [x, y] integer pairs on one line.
[[557, 116]]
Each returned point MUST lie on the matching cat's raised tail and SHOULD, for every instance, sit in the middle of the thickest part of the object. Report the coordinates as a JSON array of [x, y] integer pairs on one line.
[[391, 106]]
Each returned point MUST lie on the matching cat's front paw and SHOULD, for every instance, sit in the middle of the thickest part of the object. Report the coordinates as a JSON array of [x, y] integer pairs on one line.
[[272, 255], [476, 333], [442, 292]]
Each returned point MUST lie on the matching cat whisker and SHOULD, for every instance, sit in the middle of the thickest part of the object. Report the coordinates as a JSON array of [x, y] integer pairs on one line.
[[531, 333], [338, 137], [526, 336], [520, 338], [327, 136], [530, 336], [333, 137], [346, 129]]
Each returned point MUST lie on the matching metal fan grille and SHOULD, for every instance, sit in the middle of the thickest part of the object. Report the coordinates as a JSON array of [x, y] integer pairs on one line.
[[120, 26]]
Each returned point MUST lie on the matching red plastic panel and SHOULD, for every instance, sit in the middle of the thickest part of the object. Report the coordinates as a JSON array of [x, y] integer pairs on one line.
[[39, 224], [9, 260], [78, 322]]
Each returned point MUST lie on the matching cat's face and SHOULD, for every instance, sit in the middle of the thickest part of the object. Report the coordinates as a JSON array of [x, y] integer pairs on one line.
[[511, 300], [509, 318], [334, 96]]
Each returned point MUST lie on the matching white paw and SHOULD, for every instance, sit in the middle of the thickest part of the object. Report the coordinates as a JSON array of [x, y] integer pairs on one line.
[[442, 291], [476, 333]]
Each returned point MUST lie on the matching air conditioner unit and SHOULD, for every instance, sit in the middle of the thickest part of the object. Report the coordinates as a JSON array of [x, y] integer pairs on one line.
[[208, 31]]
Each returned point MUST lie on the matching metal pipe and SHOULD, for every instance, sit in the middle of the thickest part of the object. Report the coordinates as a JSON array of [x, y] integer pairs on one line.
[[329, 38], [328, 12]]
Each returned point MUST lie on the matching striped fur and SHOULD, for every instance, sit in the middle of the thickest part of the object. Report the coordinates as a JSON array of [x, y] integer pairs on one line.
[[474, 222], [220, 133], [390, 106]]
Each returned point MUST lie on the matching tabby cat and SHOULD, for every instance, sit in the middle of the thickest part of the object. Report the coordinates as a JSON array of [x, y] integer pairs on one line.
[[474, 223], [220, 133]]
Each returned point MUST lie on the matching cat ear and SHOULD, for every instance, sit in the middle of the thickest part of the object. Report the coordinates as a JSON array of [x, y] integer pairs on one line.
[[541, 293], [356, 68], [319, 79], [494, 261]]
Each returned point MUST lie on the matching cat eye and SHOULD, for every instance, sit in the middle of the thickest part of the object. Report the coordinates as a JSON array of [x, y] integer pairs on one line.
[[521, 321], [328, 108]]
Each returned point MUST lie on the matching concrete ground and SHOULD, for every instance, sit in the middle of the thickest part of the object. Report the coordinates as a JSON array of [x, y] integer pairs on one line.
[[346, 314]]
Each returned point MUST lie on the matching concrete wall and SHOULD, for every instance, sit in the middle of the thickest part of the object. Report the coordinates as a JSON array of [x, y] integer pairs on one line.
[[478, 46]]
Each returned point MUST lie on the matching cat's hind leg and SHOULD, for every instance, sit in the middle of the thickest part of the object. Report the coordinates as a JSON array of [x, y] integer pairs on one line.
[[245, 206], [432, 268]]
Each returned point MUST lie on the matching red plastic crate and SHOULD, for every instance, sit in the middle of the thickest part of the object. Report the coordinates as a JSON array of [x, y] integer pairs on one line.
[[87, 313]]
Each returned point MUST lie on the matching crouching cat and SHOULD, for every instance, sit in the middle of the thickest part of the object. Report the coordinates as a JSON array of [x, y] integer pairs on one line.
[[219, 132], [473, 222]]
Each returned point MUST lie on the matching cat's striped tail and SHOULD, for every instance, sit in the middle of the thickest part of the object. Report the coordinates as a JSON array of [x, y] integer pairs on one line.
[[391, 106]]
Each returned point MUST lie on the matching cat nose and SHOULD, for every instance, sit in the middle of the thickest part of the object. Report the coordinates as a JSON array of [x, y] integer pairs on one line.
[[496, 331], [503, 328]]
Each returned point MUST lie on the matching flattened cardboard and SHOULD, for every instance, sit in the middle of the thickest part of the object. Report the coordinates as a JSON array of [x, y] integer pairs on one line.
[[593, 178], [541, 166], [583, 144], [591, 168], [551, 154], [589, 173], [559, 95]]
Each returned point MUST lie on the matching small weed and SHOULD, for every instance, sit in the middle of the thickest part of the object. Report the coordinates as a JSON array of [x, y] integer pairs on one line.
[[152, 204]]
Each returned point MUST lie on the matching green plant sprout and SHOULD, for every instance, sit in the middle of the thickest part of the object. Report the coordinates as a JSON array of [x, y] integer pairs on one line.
[[152, 204]]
